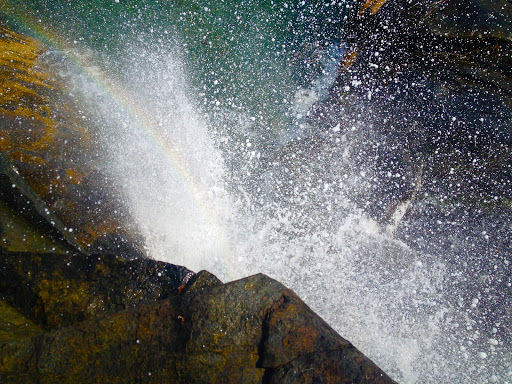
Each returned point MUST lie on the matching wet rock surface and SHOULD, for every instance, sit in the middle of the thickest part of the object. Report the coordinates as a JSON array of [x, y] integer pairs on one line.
[[417, 127], [423, 95], [80, 303], [422, 103], [98, 318], [60, 290], [52, 144], [425, 88]]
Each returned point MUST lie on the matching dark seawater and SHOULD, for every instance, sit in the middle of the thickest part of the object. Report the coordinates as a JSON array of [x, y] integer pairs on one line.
[[202, 109]]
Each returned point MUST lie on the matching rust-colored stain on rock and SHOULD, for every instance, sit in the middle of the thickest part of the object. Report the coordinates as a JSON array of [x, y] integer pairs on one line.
[[373, 5]]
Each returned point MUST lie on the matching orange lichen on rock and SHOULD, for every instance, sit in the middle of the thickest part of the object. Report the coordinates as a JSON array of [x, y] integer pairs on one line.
[[28, 158], [348, 59], [374, 6], [74, 176], [303, 338]]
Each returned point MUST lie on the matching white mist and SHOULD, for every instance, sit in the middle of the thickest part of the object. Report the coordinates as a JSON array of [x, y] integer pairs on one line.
[[295, 222]]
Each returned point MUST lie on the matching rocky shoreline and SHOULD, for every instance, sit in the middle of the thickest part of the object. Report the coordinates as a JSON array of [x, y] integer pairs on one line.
[[80, 303], [100, 318]]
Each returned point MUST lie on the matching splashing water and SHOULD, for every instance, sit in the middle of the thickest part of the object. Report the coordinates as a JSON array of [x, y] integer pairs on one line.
[[292, 216], [228, 178]]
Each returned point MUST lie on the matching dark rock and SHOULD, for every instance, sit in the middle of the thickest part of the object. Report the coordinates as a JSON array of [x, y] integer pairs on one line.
[[58, 290], [132, 346], [119, 321], [29, 224], [14, 325], [335, 366], [292, 330], [116, 244], [471, 18], [201, 281], [428, 85]]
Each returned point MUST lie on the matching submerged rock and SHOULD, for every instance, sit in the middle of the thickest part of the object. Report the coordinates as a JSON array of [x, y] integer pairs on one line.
[[427, 86]]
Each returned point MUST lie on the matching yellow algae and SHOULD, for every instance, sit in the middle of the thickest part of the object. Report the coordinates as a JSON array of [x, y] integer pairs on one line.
[[102, 270], [249, 285], [20, 236], [21, 95], [217, 337], [27, 158], [96, 227], [374, 6], [32, 78], [14, 325], [67, 299], [20, 55], [16, 36], [74, 176], [16, 89], [41, 138], [16, 53]]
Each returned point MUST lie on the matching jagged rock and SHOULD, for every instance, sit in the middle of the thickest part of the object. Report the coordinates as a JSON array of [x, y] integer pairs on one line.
[[115, 244], [58, 290], [14, 325], [67, 316], [27, 223], [201, 281], [466, 42], [130, 322]]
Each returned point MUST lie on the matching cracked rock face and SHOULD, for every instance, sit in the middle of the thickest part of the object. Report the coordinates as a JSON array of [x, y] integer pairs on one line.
[[102, 319]]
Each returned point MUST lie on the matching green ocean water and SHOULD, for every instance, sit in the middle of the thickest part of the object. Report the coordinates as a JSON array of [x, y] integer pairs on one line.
[[247, 53]]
